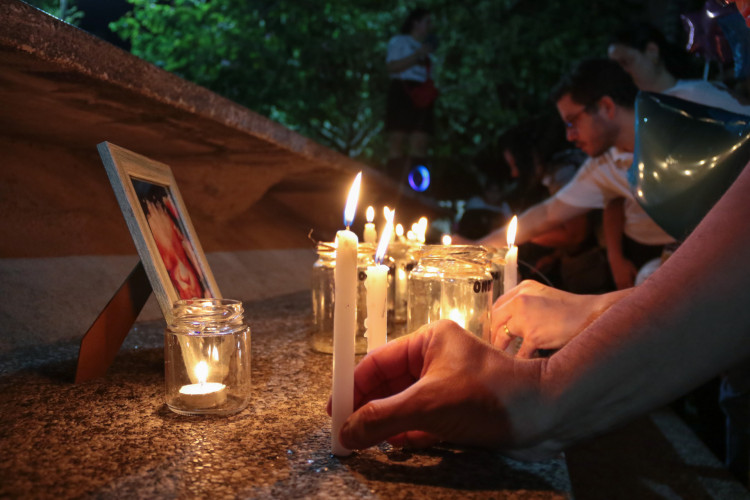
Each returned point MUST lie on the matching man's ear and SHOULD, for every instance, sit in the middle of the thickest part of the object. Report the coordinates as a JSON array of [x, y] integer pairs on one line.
[[607, 106], [652, 52]]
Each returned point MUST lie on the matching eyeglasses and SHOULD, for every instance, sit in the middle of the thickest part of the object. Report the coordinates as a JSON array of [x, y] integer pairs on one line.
[[573, 120]]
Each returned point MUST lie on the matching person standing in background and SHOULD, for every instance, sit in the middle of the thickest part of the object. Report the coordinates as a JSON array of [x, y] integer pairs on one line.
[[409, 120]]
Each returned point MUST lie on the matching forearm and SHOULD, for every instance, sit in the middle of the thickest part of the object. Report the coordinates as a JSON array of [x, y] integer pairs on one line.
[[685, 324], [404, 63], [534, 221], [613, 221]]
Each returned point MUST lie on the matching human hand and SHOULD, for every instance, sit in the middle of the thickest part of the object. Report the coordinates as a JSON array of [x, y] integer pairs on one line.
[[444, 384], [457, 239], [545, 317], [623, 271]]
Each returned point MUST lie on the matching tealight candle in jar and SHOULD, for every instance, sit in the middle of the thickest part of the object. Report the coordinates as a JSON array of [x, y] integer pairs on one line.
[[451, 282], [207, 357]]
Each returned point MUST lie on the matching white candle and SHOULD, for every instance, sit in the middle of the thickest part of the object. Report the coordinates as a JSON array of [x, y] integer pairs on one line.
[[421, 230], [387, 215], [377, 293], [344, 322], [203, 394], [371, 235], [510, 274], [400, 232]]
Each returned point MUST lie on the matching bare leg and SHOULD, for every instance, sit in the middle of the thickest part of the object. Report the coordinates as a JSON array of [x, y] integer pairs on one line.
[[419, 142]]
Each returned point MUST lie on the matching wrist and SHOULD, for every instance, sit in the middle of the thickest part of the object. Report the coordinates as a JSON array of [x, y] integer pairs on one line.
[[615, 256]]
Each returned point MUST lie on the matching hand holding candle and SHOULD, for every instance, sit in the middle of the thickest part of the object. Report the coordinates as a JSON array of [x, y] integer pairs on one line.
[[377, 292], [344, 322], [510, 275]]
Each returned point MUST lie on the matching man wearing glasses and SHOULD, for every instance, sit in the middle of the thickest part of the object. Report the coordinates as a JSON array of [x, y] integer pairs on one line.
[[596, 101]]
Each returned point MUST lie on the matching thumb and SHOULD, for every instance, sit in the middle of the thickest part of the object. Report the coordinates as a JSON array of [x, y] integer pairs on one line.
[[381, 419]]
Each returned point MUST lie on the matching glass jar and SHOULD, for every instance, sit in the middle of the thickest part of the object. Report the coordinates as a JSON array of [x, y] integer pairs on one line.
[[207, 357], [401, 257], [451, 282], [321, 337], [497, 269]]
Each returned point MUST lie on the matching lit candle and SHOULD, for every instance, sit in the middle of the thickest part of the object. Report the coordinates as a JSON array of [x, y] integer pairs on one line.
[[510, 274], [455, 315], [400, 232], [447, 239], [203, 394], [344, 321], [371, 235], [421, 229], [377, 293], [386, 214]]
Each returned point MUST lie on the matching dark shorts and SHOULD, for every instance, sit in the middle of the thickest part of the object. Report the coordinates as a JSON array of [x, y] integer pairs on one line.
[[400, 113]]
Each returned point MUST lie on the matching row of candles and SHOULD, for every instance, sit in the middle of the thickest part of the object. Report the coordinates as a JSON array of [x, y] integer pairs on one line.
[[376, 283]]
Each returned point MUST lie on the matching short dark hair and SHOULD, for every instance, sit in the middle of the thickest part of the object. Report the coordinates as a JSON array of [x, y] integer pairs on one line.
[[592, 79], [637, 35], [414, 16]]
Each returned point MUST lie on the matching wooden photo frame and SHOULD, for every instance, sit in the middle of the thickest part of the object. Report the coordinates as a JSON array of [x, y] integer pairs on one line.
[[159, 223]]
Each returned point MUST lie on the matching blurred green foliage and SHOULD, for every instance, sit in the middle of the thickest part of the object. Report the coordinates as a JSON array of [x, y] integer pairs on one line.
[[318, 66], [61, 9]]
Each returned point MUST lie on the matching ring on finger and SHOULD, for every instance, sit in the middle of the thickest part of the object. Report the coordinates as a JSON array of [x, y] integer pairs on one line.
[[507, 332]]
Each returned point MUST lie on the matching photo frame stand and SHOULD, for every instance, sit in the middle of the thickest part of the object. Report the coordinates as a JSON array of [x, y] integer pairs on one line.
[[103, 339]]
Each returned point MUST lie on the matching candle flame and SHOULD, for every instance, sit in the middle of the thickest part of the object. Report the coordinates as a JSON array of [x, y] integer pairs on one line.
[[386, 211], [511, 237], [385, 238], [201, 372], [455, 315], [399, 229], [370, 214], [351, 201], [447, 240]]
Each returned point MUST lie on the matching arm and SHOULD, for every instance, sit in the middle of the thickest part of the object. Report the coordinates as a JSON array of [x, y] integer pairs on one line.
[[685, 324], [569, 234], [535, 221], [399, 65], [623, 271]]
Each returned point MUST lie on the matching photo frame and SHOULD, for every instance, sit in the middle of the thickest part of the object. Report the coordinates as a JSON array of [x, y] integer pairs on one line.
[[160, 225]]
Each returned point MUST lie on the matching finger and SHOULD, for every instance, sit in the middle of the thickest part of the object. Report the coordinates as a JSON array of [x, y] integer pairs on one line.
[[414, 439], [381, 419], [388, 370], [527, 350]]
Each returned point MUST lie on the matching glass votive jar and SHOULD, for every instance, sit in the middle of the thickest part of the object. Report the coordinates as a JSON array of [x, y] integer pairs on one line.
[[451, 282], [401, 257], [323, 293], [207, 357]]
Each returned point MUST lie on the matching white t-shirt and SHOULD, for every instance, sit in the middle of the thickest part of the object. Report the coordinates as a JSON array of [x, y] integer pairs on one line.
[[604, 178], [709, 94], [401, 46]]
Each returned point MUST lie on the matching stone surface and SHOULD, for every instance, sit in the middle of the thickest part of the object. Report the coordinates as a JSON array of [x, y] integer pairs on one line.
[[248, 183], [115, 437]]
